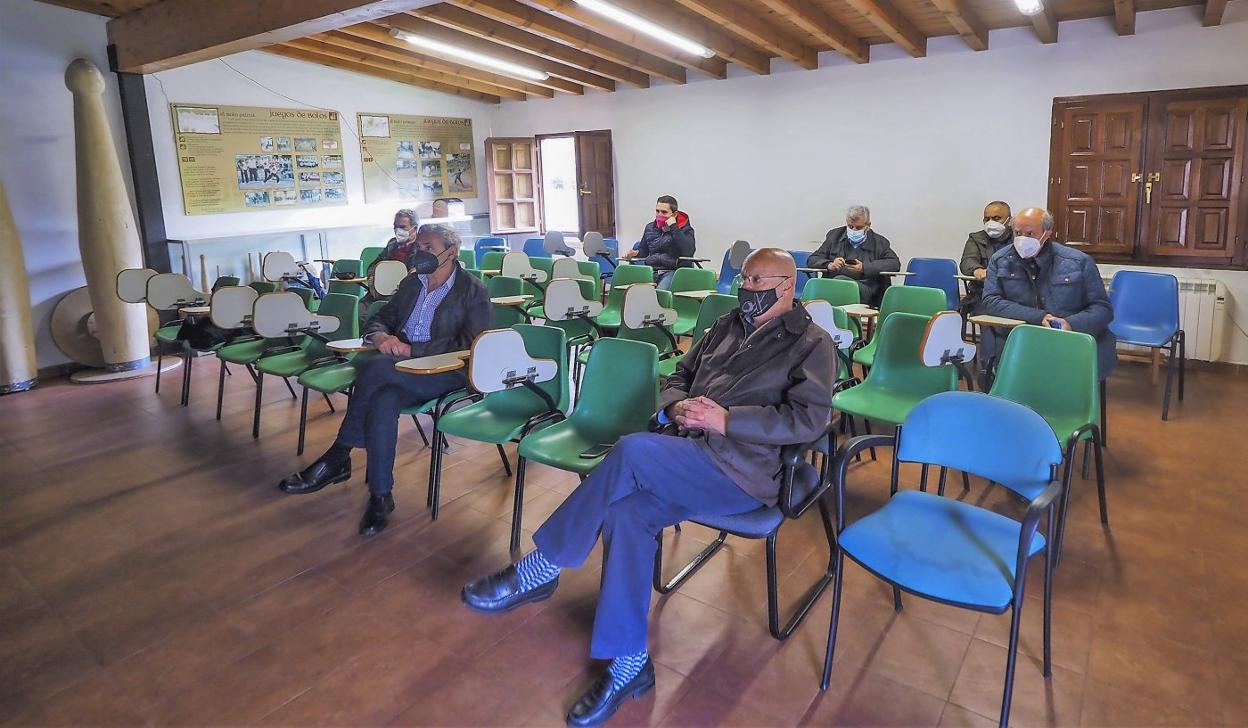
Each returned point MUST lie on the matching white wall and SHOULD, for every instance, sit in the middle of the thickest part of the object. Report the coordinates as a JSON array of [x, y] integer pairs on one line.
[[212, 82], [924, 142], [37, 42]]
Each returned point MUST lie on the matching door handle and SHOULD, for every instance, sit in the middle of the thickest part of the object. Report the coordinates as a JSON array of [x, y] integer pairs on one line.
[[1137, 177], [584, 191], [1148, 193]]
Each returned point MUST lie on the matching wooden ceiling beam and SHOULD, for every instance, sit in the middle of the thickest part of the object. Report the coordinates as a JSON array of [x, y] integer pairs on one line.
[[406, 78], [1213, 13], [964, 20], [754, 29], [378, 35], [888, 19], [693, 27], [449, 16], [1124, 17], [542, 23], [411, 56], [321, 48], [174, 33], [579, 15], [480, 45], [1045, 23], [814, 21]]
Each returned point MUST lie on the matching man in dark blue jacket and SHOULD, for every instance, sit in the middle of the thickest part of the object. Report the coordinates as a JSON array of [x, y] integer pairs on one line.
[[1043, 282], [666, 239]]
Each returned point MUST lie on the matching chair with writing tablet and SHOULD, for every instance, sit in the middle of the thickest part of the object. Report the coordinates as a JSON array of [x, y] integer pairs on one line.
[[132, 288], [649, 316], [535, 248], [171, 292], [596, 248], [386, 278], [734, 261], [569, 308], [554, 245], [230, 310]]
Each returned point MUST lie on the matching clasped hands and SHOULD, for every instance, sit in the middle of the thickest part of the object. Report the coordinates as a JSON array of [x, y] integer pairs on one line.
[[851, 266], [700, 413], [391, 345]]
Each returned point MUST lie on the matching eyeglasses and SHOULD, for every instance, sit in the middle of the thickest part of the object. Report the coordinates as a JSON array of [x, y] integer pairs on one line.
[[756, 280]]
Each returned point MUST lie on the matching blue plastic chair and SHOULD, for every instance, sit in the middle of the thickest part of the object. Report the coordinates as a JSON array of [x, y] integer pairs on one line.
[[605, 265], [800, 257], [734, 259], [536, 248], [1146, 313], [487, 245], [947, 550], [935, 273]]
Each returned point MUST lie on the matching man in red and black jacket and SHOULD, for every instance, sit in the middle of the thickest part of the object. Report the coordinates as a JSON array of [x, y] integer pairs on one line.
[[666, 239]]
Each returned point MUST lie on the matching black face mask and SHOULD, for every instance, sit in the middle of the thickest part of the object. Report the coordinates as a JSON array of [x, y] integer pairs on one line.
[[425, 263], [756, 303]]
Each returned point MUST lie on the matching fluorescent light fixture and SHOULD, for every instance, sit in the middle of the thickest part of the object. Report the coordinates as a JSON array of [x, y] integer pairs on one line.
[[471, 57], [1029, 7], [640, 24]]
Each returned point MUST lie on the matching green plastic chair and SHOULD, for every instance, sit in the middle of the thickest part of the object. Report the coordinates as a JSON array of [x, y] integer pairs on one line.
[[836, 291], [309, 352], [898, 381], [619, 395], [594, 271], [368, 256], [669, 356], [689, 279], [614, 308], [347, 265], [468, 259], [736, 284], [713, 306], [263, 287], [310, 301], [492, 260], [1054, 373], [504, 317], [345, 287], [906, 299], [224, 281], [508, 415]]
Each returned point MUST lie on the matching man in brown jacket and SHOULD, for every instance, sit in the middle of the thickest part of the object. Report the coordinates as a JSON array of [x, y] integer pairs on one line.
[[760, 378]]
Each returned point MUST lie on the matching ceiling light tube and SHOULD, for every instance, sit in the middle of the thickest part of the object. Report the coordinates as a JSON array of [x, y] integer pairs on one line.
[[1029, 7], [641, 25], [471, 57]]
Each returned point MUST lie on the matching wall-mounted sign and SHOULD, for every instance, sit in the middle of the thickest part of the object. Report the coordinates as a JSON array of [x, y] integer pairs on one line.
[[416, 157]]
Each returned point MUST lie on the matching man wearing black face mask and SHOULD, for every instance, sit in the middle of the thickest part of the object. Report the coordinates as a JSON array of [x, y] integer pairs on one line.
[[437, 309], [759, 379]]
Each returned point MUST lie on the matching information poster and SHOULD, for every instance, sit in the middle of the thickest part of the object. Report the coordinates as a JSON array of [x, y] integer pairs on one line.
[[416, 157], [245, 158]]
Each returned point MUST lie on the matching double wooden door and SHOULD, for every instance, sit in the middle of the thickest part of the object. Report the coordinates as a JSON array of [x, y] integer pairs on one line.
[[1153, 177]]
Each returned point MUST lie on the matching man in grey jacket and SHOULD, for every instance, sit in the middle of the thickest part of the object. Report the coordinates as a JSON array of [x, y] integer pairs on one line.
[[1042, 282], [760, 378], [856, 252]]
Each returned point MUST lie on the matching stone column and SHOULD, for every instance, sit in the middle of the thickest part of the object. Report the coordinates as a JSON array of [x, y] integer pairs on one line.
[[107, 235], [17, 333]]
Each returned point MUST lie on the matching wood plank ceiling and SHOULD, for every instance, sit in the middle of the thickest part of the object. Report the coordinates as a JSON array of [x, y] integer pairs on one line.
[[575, 48]]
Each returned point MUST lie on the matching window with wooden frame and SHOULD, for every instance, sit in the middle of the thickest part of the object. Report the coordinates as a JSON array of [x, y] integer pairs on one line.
[[512, 169], [1153, 178]]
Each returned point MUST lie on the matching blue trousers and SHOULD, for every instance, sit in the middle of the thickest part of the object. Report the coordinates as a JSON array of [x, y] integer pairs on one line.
[[646, 483], [372, 420]]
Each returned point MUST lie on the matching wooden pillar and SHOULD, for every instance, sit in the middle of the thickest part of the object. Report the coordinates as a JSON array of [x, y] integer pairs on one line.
[[17, 333], [107, 236]]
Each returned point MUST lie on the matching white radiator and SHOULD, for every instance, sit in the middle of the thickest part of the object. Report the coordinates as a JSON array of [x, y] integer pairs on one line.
[[1202, 315]]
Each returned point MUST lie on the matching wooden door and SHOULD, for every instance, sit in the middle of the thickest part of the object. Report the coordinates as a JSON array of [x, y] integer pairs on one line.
[[512, 168], [1097, 161], [595, 182], [1194, 176]]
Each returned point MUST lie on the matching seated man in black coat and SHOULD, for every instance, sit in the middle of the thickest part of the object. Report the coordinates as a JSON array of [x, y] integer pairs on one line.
[[437, 309], [667, 239], [857, 253], [997, 233]]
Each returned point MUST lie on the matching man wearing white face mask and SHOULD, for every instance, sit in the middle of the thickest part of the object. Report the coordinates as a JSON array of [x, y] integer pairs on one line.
[[1043, 282], [980, 245], [858, 253]]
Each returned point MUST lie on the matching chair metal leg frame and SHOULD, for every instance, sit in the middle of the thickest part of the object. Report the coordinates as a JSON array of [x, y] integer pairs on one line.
[[433, 494], [420, 430], [517, 503], [160, 361], [1067, 473], [688, 569], [502, 455], [329, 402], [1177, 351], [866, 426], [1182, 360], [187, 357], [303, 420], [291, 388], [220, 386], [255, 416]]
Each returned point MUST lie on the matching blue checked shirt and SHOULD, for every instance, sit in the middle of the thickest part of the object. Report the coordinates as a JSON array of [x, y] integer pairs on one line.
[[419, 323]]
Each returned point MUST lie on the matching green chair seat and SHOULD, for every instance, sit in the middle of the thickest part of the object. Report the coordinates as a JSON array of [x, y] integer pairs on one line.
[[329, 379], [427, 407], [667, 367], [560, 446], [244, 352], [287, 364], [908, 299], [890, 406], [494, 420], [169, 334]]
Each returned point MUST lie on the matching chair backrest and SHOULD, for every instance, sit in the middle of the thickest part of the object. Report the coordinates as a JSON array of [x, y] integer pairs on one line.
[[925, 302], [483, 246], [736, 284], [832, 320], [1145, 299], [935, 273], [171, 291], [499, 361], [518, 265], [346, 309], [223, 281], [656, 335], [263, 287], [309, 298], [628, 274], [132, 284], [994, 438], [373, 308], [278, 265], [347, 265], [535, 247], [284, 314], [897, 365], [693, 279], [468, 259], [499, 286], [943, 342], [565, 300], [492, 260], [1051, 371], [542, 342], [387, 276], [232, 305], [620, 390], [713, 306], [801, 258], [554, 244], [734, 258], [369, 255], [592, 244], [567, 268], [836, 291], [350, 289], [642, 308]]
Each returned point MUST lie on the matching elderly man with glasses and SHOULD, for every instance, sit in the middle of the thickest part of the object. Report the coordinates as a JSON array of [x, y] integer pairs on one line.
[[760, 378]]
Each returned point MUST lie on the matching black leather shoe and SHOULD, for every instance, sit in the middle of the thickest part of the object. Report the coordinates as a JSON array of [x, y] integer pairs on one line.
[[376, 514], [500, 592], [600, 702], [314, 477]]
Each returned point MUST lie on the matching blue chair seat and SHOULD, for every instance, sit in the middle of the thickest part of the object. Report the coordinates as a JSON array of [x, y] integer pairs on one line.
[[940, 548], [762, 522], [1142, 335]]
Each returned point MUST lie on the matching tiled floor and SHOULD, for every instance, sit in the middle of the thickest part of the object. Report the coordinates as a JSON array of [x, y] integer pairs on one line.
[[150, 572]]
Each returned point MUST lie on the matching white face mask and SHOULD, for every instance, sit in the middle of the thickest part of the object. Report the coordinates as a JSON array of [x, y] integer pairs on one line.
[[1026, 247], [994, 229], [400, 234]]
